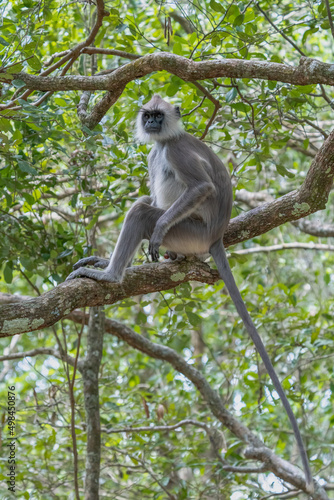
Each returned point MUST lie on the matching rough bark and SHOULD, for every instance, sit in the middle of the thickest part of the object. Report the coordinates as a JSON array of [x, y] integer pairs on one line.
[[309, 71], [90, 368], [43, 311]]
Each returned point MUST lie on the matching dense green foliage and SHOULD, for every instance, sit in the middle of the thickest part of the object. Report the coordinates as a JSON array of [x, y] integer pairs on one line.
[[61, 182]]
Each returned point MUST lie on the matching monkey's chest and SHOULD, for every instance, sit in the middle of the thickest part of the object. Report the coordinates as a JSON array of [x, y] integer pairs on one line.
[[166, 188]]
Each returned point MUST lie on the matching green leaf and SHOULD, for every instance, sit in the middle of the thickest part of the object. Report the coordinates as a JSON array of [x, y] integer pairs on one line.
[[25, 167], [272, 84], [60, 102], [216, 6], [8, 272], [28, 264], [194, 319], [192, 38], [172, 89], [240, 106], [239, 20], [5, 125], [92, 222], [308, 33], [177, 49], [29, 198], [231, 95], [3, 41], [16, 68], [18, 83], [215, 40], [34, 63], [284, 172]]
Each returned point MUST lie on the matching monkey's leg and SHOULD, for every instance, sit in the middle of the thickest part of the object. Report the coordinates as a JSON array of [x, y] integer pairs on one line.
[[138, 225], [188, 237]]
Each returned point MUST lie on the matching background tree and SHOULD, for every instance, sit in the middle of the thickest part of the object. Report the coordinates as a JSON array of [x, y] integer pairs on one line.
[[174, 397]]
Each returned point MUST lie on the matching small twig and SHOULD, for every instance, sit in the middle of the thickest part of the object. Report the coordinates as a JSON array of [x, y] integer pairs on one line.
[[285, 246], [156, 428], [196, 107], [252, 120], [29, 281], [4, 68], [214, 101], [309, 122], [206, 93], [37, 352], [288, 494], [55, 56], [281, 32], [111, 52], [208, 125]]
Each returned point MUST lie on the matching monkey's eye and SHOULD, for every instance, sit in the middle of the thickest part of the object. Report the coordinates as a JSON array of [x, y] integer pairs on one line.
[[146, 116], [159, 115]]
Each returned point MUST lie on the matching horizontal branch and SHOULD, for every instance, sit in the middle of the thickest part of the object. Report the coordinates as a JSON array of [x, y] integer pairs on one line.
[[36, 352], [286, 246], [111, 52], [315, 228], [309, 71], [156, 428], [41, 312]]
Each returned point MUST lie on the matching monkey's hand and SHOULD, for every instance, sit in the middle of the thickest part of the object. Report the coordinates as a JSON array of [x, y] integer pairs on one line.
[[153, 247]]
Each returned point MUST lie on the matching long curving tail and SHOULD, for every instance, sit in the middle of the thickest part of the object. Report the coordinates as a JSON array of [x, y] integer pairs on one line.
[[218, 253]]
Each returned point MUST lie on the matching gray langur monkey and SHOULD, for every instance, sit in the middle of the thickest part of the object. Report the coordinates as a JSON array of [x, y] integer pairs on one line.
[[187, 213]]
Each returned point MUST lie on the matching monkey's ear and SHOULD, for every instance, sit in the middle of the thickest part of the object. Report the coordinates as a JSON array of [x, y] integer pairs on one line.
[[178, 112]]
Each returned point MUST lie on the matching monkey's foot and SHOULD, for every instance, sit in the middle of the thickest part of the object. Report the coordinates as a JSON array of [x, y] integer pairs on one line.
[[92, 261], [85, 272]]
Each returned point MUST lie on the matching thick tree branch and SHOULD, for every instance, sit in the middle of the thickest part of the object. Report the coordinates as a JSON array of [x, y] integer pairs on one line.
[[315, 228], [309, 71], [91, 119], [43, 311]]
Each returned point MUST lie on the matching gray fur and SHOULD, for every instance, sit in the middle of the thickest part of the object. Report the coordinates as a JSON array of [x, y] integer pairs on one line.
[[187, 213]]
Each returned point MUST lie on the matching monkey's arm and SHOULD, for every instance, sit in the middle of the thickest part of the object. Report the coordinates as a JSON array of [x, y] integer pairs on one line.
[[198, 188]]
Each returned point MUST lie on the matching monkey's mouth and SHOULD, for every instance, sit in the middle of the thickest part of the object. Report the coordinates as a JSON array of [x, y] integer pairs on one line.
[[152, 129]]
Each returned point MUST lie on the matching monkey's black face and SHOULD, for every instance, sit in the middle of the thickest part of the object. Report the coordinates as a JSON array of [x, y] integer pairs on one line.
[[152, 121]]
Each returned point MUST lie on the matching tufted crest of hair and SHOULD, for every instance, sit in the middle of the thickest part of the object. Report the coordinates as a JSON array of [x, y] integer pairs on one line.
[[171, 125]]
